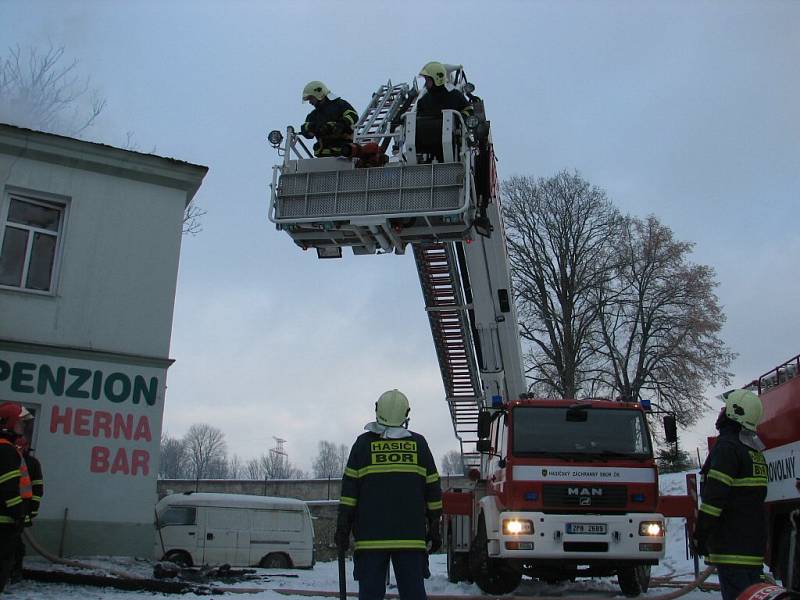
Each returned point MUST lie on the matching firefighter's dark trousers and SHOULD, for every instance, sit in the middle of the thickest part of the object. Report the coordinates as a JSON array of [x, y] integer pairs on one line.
[[410, 570], [9, 537], [733, 580]]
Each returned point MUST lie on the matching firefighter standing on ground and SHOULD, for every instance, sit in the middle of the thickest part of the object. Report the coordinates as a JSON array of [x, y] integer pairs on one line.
[[731, 525], [331, 121], [15, 486], [392, 501], [37, 488]]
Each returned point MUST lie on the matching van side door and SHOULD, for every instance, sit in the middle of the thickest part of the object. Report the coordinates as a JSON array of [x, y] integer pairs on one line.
[[221, 534]]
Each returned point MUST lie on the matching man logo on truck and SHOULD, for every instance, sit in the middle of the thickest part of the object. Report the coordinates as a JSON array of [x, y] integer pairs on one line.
[[573, 491]]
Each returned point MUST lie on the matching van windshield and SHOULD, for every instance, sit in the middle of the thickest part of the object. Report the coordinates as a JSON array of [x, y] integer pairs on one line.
[[581, 431], [177, 515]]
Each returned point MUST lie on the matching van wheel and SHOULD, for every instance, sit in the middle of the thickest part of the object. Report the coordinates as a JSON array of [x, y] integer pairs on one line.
[[275, 561], [179, 557]]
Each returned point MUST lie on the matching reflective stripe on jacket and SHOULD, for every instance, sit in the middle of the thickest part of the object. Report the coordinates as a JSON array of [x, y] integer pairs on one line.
[[15, 484], [391, 488], [733, 489]]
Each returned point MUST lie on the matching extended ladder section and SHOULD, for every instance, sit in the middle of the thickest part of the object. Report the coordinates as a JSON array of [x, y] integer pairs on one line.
[[438, 184], [448, 315], [376, 122]]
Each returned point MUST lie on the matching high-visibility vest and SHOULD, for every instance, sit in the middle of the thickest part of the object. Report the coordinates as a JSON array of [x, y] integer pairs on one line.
[[25, 484]]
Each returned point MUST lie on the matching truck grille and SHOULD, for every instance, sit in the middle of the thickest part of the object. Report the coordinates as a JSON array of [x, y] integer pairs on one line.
[[588, 497]]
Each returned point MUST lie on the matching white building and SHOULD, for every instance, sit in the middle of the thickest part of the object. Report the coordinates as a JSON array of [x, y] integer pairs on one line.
[[89, 242]]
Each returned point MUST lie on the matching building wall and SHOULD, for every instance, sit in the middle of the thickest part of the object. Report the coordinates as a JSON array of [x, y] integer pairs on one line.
[[115, 288], [90, 356]]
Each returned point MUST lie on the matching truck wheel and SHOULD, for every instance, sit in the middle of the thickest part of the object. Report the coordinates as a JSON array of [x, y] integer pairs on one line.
[[179, 557], [493, 576], [634, 580], [276, 560], [457, 563]]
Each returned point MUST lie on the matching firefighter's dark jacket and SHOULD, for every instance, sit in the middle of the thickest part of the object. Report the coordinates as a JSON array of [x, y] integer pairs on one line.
[[390, 490], [12, 507], [332, 123], [439, 98], [733, 489]]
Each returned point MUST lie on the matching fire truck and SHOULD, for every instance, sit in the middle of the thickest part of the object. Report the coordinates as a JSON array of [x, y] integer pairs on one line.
[[560, 488], [779, 390]]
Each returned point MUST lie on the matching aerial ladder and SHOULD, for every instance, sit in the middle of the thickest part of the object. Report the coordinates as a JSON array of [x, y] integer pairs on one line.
[[438, 195]]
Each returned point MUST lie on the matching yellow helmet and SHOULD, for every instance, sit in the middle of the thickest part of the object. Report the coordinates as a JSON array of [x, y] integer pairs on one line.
[[315, 89], [744, 407], [436, 71], [392, 408]]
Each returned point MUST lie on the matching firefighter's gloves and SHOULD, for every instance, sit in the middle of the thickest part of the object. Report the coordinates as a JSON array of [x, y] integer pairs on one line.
[[699, 541], [434, 536], [342, 539], [342, 535], [306, 132]]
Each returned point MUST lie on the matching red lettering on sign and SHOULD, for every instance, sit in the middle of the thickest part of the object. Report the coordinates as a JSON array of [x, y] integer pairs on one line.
[[102, 423], [64, 420], [140, 459], [143, 430], [99, 459], [81, 425], [123, 424], [120, 464]]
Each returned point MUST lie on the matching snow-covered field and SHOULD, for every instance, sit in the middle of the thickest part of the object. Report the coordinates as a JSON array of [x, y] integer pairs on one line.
[[324, 576]]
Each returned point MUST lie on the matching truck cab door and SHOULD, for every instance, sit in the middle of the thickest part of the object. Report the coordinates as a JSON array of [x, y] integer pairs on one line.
[[178, 531]]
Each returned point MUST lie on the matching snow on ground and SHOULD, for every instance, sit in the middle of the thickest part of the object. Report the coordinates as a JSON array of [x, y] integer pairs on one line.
[[324, 576]]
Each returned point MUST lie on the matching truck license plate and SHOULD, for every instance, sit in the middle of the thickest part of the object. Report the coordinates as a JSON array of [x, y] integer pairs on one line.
[[590, 528]]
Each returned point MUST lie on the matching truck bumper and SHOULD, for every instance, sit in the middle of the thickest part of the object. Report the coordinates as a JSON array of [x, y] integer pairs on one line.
[[612, 537]]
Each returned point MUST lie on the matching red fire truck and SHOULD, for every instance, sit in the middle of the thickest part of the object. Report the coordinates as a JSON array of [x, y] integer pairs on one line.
[[779, 390], [570, 489]]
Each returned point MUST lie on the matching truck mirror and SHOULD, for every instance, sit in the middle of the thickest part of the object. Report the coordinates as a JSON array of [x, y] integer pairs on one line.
[[670, 429], [484, 424], [483, 445]]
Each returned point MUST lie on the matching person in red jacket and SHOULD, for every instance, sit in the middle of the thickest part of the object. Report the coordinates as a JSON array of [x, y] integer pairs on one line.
[[15, 486], [37, 486]]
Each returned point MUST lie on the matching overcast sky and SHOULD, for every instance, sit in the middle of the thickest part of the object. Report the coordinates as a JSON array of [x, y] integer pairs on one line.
[[685, 110]]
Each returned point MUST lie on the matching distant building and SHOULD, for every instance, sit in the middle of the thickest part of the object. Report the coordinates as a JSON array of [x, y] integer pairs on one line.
[[89, 242]]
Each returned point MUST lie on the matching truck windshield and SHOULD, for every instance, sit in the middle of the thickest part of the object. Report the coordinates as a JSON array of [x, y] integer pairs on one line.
[[591, 431]]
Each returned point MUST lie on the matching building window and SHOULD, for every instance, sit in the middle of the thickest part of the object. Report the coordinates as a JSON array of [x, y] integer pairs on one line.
[[29, 242]]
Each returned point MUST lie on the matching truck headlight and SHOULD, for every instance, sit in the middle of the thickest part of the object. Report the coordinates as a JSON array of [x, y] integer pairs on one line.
[[517, 526], [651, 528]]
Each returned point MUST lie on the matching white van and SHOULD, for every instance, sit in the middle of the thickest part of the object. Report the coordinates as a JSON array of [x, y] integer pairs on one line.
[[235, 529]]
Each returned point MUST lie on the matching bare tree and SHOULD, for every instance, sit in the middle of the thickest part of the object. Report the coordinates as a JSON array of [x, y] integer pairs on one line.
[[452, 464], [192, 216], [235, 468], [206, 449], [42, 90], [330, 461], [172, 458], [271, 465], [660, 322], [558, 230]]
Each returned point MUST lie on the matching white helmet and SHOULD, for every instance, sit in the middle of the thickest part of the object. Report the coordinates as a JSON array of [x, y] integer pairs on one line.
[[744, 407], [392, 408]]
